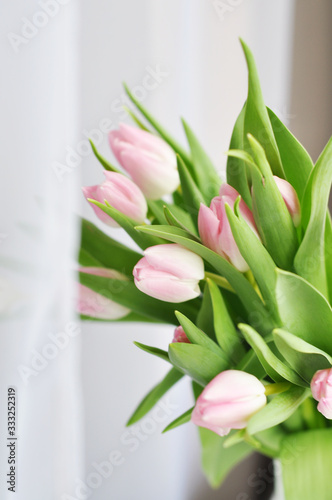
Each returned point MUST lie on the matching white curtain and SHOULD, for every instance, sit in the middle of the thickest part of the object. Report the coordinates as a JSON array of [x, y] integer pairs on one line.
[[62, 82]]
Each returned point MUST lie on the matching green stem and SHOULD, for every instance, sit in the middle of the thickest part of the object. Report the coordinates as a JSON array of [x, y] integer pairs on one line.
[[260, 447], [219, 280], [276, 388]]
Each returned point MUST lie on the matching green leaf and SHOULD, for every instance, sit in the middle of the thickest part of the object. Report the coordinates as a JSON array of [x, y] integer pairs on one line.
[[172, 220], [154, 395], [218, 461], [201, 364], [130, 318], [304, 311], [306, 465], [235, 438], [237, 175], [191, 194], [128, 225], [136, 119], [256, 120], [155, 351], [105, 163], [310, 258], [182, 419], [328, 255], [279, 409], [161, 131], [259, 316], [203, 172], [126, 294], [224, 328], [271, 214], [98, 249], [273, 366], [257, 258], [205, 314], [156, 208], [296, 162], [304, 358], [197, 336]]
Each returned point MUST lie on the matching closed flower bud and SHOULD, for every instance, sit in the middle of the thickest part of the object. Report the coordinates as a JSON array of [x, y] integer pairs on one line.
[[290, 198], [321, 388], [148, 159], [229, 401], [121, 193], [215, 229], [93, 304], [180, 336], [170, 273]]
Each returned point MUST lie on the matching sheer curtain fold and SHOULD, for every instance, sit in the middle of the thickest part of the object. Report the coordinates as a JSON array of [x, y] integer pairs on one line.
[[40, 103]]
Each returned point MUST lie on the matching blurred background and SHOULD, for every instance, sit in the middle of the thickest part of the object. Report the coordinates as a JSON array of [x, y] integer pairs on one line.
[[63, 62]]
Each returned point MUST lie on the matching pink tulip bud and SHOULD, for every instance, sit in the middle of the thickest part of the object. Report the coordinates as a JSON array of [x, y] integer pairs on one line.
[[170, 273], [290, 198], [93, 304], [149, 160], [215, 229], [229, 401], [122, 194], [321, 388], [180, 336]]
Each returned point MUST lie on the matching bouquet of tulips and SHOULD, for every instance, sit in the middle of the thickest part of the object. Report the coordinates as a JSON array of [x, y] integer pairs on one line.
[[242, 269]]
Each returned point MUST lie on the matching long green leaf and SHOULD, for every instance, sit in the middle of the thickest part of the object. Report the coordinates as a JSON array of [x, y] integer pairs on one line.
[[296, 162], [218, 461], [273, 366], [197, 336], [256, 120], [237, 173], [271, 214], [182, 419], [201, 364], [304, 311], [128, 225], [99, 249], [304, 358], [306, 465], [278, 410], [204, 172], [257, 258], [191, 193], [154, 395], [310, 258], [155, 351], [105, 163], [224, 328]]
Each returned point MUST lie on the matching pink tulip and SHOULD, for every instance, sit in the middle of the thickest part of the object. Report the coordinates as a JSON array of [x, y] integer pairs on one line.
[[170, 273], [149, 160], [321, 388], [180, 336], [229, 401], [215, 229], [93, 304], [290, 198], [122, 194]]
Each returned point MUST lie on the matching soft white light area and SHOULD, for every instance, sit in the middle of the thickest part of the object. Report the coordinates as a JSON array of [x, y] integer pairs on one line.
[[39, 116]]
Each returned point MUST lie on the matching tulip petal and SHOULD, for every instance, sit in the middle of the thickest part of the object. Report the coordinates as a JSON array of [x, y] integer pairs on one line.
[[148, 142], [95, 305], [175, 260], [153, 175]]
